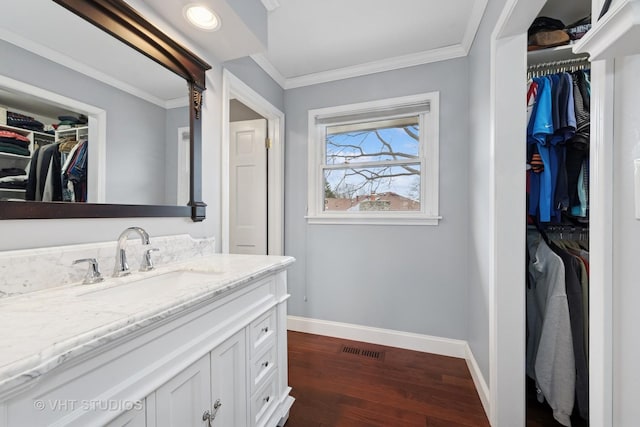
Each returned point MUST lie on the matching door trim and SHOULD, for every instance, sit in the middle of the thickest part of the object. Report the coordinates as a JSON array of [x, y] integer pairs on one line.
[[234, 88], [507, 393]]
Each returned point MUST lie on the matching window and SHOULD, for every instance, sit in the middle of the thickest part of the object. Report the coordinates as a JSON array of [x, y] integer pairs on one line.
[[375, 162]]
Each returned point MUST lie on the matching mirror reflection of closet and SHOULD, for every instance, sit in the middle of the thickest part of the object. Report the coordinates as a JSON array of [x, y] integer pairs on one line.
[[558, 229], [137, 101], [28, 128]]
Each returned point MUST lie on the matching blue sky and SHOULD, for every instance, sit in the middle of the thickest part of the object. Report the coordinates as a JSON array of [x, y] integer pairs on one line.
[[369, 143]]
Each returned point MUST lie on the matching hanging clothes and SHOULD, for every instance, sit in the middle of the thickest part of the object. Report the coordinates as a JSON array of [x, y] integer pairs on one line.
[[557, 323], [550, 356], [45, 175], [558, 146], [76, 172]]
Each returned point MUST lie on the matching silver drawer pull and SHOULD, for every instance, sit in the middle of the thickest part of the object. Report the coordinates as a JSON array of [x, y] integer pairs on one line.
[[265, 329], [265, 364]]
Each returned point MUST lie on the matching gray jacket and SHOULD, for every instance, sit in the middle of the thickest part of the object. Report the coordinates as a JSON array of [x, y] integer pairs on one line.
[[550, 357]]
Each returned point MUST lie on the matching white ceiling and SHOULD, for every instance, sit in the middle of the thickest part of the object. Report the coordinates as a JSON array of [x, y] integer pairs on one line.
[[59, 35], [309, 41], [309, 36], [321, 40]]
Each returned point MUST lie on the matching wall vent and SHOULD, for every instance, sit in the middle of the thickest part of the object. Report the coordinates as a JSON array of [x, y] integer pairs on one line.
[[370, 354]]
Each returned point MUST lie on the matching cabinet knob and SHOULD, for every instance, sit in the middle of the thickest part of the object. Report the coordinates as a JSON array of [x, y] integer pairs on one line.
[[265, 329], [265, 364], [266, 399], [209, 416]]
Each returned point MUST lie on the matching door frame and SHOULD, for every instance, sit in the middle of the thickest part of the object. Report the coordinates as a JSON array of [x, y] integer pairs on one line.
[[507, 225], [234, 88], [182, 192]]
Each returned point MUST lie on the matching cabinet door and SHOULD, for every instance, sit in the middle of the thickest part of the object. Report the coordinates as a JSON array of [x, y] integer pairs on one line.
[[182, 401], [228, 382]]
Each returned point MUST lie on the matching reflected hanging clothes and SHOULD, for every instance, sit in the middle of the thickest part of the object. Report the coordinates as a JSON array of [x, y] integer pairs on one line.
[[76, 172], [45, 175]]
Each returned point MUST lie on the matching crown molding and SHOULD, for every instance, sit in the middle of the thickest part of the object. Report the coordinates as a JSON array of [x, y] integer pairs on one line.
[[77, 66], [270, 5], [268, 68], [176, 103], [477, 12], [404, 61], [425, 57]]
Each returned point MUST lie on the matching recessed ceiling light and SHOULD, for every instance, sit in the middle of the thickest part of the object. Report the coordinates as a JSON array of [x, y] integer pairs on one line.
[[202, 17]]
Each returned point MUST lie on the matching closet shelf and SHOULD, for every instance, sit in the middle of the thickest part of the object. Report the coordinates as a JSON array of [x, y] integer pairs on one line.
[[551, 54], [616, 34]]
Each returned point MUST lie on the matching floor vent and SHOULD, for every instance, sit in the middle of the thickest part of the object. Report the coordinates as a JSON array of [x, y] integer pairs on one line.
[[370, 354]]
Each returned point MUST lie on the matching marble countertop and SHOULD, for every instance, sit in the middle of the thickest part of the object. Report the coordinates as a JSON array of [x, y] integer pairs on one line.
[[42, 330]]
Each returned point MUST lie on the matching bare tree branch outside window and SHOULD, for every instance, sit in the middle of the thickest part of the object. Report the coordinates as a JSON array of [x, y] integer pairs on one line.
[[374, 166]]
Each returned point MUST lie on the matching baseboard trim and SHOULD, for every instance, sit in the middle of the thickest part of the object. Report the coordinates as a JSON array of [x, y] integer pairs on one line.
[[388, 337], [478, 379], [406, 340]]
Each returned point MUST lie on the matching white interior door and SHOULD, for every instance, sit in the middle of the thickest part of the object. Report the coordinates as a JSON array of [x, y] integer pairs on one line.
[[248, 187]]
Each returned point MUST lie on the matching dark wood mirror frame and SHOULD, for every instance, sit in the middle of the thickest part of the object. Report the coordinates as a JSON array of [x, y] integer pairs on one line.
[[121, 21]]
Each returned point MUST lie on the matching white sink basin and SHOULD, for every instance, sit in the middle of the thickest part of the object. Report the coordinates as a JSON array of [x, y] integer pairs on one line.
[[135, 286]]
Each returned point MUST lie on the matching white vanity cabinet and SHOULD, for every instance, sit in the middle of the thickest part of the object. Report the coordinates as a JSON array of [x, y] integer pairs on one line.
[[132, 418], [224, 355], [214, 385], [183, 399]]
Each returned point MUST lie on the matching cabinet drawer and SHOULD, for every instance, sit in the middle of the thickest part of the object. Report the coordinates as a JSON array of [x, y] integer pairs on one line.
[[263, 332], [262, 366], [263, 401]]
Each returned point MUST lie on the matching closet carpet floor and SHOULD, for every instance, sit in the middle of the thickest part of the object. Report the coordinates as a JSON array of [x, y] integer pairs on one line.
[[341, 383]]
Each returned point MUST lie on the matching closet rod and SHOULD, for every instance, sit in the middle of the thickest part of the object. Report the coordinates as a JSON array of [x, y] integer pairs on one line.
[[564, 65]]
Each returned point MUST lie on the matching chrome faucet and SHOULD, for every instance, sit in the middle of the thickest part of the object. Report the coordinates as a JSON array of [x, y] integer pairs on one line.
[[122, 268], [93, 273]]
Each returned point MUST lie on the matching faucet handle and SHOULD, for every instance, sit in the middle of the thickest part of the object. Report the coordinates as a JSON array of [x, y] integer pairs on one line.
[[147, 262], [93, 273]]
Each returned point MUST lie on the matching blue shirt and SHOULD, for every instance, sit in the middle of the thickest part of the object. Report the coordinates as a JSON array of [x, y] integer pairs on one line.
[[539, 129]]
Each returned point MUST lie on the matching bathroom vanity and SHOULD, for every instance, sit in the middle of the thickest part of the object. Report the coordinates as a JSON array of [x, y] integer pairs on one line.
[[197, 342]]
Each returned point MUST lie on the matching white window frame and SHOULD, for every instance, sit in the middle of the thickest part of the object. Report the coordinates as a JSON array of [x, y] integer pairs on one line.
[[426, 106]]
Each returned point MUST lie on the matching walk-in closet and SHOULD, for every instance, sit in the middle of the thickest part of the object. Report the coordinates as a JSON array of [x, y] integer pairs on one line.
[[557, 237], [43, 150]]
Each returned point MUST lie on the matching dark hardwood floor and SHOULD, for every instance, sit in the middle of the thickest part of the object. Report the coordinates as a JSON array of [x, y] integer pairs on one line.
[[371, 385]]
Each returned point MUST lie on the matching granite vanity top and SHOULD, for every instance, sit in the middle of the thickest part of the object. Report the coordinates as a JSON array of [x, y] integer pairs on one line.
[[42, 330]]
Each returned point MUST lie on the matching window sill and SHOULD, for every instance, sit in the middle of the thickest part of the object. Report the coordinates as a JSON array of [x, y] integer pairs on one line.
[[372, 220]]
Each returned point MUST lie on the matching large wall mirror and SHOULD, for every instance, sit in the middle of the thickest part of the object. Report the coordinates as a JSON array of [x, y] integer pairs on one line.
[[99, 114]]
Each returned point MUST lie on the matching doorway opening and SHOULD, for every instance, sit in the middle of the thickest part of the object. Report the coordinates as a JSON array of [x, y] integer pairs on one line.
[[248, 146], [507, 311], [252, 171]]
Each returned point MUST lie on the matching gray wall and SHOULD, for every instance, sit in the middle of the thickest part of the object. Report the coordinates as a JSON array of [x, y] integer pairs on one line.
[[408, 278], [135, 163], [251, 74], [238, 112], [254, 15], [176, 118], [479, 156]]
